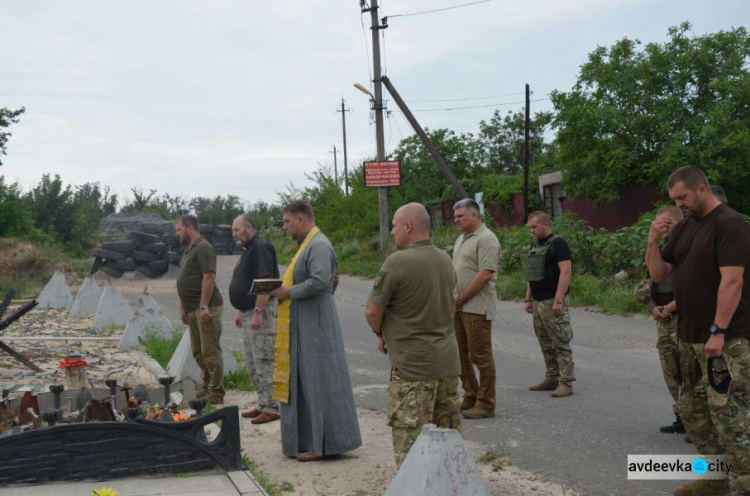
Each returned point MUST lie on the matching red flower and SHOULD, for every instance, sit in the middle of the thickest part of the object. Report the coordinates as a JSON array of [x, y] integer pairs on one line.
[[69, 362]]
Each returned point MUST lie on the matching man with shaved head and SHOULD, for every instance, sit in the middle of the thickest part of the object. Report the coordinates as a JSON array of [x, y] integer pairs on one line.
[[548, 271], [410, 310]]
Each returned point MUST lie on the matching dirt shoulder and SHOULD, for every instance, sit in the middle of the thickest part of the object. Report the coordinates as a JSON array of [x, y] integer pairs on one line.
[[368, 470]]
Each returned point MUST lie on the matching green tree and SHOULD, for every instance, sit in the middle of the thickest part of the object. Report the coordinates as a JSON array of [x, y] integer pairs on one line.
[[15, 215], [501, 141], [7, 117], [636, 114], [217, 210], [421, 178]]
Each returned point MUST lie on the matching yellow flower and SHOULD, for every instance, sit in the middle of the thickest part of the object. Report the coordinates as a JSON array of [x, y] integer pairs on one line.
[[104, 491]]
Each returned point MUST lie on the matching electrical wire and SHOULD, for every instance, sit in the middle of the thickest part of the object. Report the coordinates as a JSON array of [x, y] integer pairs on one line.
[[468, 98], [479, 106], [440, 10]]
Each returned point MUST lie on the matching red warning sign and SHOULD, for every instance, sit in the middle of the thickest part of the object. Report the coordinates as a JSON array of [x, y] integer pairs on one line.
[[382, 174]]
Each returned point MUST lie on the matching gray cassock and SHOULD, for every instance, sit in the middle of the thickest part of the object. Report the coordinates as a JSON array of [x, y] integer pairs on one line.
[[320, 416]]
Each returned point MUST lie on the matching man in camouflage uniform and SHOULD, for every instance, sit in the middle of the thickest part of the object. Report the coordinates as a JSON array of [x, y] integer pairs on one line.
[[410, 310], [660, 299], [548, 271], [709, 255]]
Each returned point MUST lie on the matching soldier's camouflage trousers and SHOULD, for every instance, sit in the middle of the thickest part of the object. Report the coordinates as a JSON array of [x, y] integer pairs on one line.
[[666, 345], [719, 423], [554, 334], [260, 353], [411, 404]]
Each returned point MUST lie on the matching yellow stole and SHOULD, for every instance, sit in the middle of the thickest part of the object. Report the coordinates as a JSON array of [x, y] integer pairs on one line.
[[283, 320]]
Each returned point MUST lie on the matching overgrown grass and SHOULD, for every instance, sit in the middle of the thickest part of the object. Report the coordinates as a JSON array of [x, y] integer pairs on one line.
[[269, 486], [26, 268], [159, 348], [240, 378]]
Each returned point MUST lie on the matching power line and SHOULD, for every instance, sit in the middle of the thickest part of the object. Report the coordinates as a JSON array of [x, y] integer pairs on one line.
[[440, 10], [367, 48], [478, 106], [467, 98]]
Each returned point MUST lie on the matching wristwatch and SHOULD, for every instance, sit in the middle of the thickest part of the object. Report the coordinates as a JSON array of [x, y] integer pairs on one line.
[[203, 307], [257, 310], [714, 329]]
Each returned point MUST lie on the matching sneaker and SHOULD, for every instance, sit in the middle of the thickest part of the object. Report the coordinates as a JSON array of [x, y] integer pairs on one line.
[[677, 427], [702, 488], [562, 391], [545, 385], [467, 403], [477, 413]]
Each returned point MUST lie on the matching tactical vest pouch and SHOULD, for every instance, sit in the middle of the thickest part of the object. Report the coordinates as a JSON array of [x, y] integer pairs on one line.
[[535, 260]]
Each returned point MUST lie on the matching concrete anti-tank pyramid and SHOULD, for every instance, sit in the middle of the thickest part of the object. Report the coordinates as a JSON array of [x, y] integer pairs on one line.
[[113, 310], [87, 299], [56, 294], [148, 319], [438, 464], [182, 365]]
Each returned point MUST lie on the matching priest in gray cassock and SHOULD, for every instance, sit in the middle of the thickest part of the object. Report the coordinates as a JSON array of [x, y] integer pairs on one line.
[[311, 376]]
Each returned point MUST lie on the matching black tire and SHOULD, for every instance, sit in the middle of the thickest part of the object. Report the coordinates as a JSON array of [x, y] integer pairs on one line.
[[206, 228], [159, 265], [151, 274], [221, 242], [111, 272], [108, 254], [123, 246], [179, 249], [143, 238], [222, 252], [125, 265], [142, 256], [222, 234], [173, 257], [170, 240], [155, 248]]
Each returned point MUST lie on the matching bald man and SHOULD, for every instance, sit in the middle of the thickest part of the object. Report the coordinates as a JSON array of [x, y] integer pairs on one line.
[[410, 310]]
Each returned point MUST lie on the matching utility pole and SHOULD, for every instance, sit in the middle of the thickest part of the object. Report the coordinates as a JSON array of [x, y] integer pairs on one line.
[[343, 111], [378, 107], [526, 160], [335, 165]]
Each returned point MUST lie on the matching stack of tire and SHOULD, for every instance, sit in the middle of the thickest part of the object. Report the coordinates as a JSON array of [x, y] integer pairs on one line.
[[222, 239], [149, 254]]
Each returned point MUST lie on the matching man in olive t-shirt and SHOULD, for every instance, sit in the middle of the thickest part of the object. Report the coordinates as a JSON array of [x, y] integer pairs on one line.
[[201, 306], [410, 309], [709, 253]]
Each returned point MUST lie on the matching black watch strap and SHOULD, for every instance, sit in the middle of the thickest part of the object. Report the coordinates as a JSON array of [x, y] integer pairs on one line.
[[714, 329]]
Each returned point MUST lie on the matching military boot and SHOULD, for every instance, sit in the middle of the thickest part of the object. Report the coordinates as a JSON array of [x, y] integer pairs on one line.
[[677, 427], [703, 488], [562, 391], [545, 385], [467, 403]]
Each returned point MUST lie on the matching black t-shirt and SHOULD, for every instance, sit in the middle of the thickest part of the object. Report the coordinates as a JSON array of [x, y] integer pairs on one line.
[[558, 251], [258, 261], [697, 249]]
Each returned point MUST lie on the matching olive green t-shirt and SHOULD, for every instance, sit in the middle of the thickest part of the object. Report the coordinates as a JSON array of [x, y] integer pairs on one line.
[[471, 253], [198, 259], [416, 287]]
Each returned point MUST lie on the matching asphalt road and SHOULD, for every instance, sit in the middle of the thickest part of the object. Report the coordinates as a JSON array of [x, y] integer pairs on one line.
[[583, 440]]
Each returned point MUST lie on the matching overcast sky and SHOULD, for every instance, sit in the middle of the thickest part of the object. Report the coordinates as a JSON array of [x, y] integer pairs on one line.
[[220, 97]]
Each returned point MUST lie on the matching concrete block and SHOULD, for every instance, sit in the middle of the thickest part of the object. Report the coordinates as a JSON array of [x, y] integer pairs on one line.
[[438, 464], [148, 319], [56, 294], [113, 310], [87, 299], [182, 365]]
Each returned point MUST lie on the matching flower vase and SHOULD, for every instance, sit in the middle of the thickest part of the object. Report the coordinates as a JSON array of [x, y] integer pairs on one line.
[[76, 377]]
